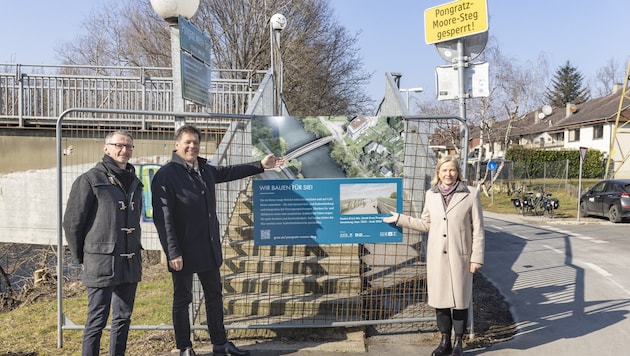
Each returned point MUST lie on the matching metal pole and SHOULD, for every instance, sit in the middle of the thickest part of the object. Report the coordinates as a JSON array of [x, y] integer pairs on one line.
[[20, 79], [579, 190], [276, 69], [60, 320], [461, 64], [176, 64], [492, 185]]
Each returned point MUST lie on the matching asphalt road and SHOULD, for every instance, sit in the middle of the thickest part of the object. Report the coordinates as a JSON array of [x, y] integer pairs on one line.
[[567, 284]]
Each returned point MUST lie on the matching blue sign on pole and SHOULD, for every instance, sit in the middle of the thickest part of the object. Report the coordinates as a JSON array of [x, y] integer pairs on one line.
[[492, 165], [326, 211]]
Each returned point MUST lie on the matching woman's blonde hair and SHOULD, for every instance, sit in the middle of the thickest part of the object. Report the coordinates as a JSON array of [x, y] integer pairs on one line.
[[436, 178]]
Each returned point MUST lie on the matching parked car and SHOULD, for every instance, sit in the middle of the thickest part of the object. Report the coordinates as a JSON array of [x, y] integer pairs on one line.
[[608, 198]]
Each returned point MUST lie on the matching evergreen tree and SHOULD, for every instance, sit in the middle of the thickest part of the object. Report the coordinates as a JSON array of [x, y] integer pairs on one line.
[[567, 87]]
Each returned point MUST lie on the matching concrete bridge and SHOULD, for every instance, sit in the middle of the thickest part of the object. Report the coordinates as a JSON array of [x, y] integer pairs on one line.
[[308, 147]]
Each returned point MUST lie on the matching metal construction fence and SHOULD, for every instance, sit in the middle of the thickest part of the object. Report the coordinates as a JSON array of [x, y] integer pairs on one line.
[[226, 140], [269, 288]]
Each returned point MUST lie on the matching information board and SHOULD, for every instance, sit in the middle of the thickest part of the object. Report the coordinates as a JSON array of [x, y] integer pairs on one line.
[[326, 211], [196, 80]]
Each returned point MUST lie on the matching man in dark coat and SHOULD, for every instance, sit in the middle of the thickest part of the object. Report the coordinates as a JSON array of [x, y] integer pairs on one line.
[[102, 227], [184, 213]]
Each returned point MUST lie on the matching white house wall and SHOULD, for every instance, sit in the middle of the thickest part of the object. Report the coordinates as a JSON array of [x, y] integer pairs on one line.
[[603, 145], [586, 139]]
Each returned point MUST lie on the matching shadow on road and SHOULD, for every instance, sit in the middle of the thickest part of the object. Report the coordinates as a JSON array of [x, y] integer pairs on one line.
[[534, 269]]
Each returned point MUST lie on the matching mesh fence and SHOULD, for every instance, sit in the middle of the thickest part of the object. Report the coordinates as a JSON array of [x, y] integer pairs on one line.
[[268, 289]]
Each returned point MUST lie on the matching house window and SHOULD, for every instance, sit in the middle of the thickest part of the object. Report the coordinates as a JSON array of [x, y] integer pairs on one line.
[[559, 137], [574, 135], [598, 132]]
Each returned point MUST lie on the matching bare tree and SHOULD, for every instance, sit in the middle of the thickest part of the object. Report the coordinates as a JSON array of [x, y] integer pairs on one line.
[[515, 89], [323, 73], [607, 76]]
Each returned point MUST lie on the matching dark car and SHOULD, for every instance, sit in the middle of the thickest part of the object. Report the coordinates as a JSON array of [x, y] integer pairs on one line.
[[608, 198]]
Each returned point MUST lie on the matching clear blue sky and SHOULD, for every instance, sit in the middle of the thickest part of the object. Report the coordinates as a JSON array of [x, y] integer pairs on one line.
[[391, 38]]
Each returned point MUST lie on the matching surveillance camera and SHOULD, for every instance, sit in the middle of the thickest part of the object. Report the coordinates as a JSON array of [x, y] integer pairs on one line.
[[278, 22]]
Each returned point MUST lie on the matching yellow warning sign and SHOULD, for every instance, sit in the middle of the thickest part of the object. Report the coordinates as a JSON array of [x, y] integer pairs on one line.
[[454, 20]]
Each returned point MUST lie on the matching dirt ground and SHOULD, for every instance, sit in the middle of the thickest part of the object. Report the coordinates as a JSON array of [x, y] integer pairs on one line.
[[493, 322]]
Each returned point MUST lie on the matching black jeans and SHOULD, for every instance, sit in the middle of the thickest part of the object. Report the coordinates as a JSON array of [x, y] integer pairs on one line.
[[182, 297], [121, 299], [448, 319]]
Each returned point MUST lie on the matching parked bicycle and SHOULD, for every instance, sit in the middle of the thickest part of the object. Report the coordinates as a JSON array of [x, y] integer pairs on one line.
[[518, 201], [540, 203], [549, 204], [533, 203]]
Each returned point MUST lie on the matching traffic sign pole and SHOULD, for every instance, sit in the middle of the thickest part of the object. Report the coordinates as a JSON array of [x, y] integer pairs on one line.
[[582, 156], [462, 86]]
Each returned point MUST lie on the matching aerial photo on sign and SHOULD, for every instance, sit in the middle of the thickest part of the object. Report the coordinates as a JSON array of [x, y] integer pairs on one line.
[[454, 20]]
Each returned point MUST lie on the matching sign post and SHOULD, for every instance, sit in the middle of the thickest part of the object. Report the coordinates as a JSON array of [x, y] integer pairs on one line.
[[492, 166], [582, 156], [453, 22]]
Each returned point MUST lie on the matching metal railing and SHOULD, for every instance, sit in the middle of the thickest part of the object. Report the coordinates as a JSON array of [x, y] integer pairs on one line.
[[35, 95]]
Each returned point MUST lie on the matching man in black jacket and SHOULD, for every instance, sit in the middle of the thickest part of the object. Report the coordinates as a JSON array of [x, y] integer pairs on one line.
[[184, 213], [102, 226]]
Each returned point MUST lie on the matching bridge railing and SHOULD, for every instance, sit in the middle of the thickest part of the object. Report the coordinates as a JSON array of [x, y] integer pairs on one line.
[[35, 95]]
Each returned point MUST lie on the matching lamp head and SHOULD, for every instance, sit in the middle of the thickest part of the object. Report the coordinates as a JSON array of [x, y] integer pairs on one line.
[[278, 22], [172, 9]]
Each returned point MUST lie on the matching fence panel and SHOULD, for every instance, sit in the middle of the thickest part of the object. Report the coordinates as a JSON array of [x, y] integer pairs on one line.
[[283, 287]]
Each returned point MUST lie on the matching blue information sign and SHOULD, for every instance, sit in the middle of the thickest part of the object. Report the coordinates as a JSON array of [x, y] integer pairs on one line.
[[326, 211], [492, 165]]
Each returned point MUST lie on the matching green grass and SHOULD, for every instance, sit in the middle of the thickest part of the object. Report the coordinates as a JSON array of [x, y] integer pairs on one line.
[[32, 329], [502, 201]]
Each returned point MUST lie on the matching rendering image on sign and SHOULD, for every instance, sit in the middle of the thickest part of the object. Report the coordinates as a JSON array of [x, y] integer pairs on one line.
[[325, 211]]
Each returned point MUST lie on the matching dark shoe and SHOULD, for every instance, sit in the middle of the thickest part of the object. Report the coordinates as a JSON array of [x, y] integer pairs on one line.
[[188, 352], [228, 349], [444, 348], [458, 346]]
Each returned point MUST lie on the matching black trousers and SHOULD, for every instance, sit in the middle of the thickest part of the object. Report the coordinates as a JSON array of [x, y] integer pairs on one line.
[[452, 319], [182, 297], [120, 299]]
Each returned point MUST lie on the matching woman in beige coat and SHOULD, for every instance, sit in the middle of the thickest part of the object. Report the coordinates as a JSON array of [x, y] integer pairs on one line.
[[453, 217]]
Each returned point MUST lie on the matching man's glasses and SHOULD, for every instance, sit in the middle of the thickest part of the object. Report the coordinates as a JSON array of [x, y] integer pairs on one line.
[[120, 146]]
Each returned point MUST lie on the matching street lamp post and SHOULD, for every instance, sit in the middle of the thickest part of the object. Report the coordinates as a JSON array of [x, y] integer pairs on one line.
[[171, 10], [413, 90], [277, 23]]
